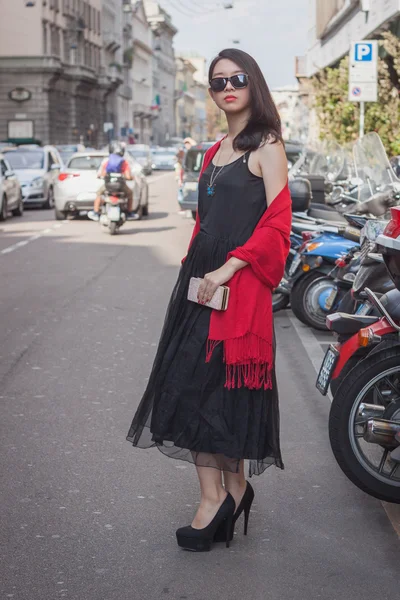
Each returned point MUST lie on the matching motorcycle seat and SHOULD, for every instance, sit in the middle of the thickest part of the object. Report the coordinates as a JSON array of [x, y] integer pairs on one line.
[[343, 323], [325, 213], [391, 301]]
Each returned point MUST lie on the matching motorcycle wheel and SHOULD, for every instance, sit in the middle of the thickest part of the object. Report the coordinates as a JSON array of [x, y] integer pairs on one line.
[[304, 299], [375, 380], [113, 227], [279, 301]]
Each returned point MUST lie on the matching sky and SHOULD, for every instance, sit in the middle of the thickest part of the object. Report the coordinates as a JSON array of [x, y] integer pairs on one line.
[[272, 31]]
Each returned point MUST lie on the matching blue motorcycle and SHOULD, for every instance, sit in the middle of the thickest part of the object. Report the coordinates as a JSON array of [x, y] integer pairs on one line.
[[311, 275]]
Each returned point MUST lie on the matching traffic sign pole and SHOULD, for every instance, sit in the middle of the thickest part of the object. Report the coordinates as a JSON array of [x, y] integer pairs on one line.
[[362, 118], [363, 75]]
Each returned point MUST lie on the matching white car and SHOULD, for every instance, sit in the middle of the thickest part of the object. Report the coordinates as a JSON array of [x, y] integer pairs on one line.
[[37, 169], [77, 185], [10, 191]]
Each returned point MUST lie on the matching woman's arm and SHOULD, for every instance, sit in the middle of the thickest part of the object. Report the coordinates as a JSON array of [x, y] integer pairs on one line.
[[272, 163]]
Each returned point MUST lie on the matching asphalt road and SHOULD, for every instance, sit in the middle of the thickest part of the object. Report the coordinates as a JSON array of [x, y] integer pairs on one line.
[[87, 517]]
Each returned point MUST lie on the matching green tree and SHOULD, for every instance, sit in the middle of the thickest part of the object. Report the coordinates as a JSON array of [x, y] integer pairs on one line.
[[339, 118]]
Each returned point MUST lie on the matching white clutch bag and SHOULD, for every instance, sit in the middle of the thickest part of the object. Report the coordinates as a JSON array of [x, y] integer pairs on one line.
[[218, 302]]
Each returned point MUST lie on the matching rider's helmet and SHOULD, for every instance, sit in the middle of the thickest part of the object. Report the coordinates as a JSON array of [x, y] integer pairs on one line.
[[116, 148]]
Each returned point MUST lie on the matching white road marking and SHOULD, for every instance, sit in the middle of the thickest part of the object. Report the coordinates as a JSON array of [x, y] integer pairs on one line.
[[30, 239], [310, 344]]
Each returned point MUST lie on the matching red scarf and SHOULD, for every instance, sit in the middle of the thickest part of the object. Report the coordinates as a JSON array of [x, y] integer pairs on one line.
[[246, 327]]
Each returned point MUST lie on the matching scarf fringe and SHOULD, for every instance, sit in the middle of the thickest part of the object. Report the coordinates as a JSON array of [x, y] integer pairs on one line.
[[249, 361]]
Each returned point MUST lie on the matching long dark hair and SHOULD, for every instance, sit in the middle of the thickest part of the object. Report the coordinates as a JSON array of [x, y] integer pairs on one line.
[[264, 119]]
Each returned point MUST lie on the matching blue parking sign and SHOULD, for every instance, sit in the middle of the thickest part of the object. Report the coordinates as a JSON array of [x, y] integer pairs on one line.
[[363, 52]]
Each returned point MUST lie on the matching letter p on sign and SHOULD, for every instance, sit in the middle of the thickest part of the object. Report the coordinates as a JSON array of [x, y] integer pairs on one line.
[[363, 52]]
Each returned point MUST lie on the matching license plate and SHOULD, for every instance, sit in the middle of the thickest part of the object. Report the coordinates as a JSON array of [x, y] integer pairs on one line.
[[363, 309], [114, 213], [86, 197], [191, 186], [326, 370], [295, 264], [331, 299]]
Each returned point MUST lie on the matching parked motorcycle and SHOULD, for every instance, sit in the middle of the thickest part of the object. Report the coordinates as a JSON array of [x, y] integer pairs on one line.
[[364, 423], [312, 276]]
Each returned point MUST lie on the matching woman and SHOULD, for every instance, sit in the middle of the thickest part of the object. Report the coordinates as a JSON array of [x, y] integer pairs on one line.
[[212, 397]]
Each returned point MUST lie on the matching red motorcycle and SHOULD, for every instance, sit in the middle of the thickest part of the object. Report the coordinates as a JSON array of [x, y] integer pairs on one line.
[[363, 368]]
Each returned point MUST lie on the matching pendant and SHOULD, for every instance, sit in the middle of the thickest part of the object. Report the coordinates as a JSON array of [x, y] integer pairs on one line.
[[210, 190]]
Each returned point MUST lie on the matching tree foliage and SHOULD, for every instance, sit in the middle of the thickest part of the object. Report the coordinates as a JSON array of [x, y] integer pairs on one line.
[[339, 118]]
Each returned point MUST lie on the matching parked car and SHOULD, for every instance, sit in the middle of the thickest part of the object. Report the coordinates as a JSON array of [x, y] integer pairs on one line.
[[10, 191], [191, 171], [37, 170], [164, 159], [142, 154], [77, 186]]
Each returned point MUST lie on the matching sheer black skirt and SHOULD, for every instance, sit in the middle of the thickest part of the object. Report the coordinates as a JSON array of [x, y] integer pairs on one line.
[[186, 411]]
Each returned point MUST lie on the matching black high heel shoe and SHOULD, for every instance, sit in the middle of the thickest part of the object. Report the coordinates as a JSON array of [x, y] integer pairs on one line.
[[222, 533], [200, 540]]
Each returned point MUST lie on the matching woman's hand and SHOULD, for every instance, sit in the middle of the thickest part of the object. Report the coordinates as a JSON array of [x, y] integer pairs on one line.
[[213, 280]]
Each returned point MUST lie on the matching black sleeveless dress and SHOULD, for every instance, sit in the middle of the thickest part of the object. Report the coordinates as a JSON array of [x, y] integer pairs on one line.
[[186, 411]]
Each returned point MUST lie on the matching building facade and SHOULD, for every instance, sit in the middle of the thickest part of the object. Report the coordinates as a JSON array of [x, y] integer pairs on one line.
[[142, 69], [185, 97], [334, 24], [112, 70], [164, 71], [199, 130], [52, 87]]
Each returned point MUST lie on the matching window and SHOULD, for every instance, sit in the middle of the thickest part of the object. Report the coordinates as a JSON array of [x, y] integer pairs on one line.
[[86, 163], [66, 55], [98, 22], [44, 37], [26, 159], [3, 168], [55, 41]]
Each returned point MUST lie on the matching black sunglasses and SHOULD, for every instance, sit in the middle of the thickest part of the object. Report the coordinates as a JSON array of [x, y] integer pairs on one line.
[[239, 82]]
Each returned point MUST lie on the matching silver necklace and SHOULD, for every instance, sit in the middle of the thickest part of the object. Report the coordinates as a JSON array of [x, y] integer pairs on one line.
[[211, 185]]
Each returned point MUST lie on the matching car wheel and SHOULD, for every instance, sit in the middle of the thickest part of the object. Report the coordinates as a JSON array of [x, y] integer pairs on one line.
[[145, 211], [50, 199], [19, 211], [60, 215], [3, 211]]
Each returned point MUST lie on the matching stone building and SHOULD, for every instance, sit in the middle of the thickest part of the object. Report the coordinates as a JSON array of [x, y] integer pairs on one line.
[[185, 96], [52, 86], [164, 70], [142, 70], [199, 130], [333, 25]]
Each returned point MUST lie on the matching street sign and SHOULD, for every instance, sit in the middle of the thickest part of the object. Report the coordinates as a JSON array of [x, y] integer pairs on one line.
[[363, 71]]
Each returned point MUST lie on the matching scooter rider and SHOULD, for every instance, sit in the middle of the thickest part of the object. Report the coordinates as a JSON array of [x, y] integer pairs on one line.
[[115, 163]]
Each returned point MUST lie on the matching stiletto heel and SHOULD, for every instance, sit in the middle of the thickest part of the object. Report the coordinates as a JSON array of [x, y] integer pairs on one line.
[[228, 529], [223, 533], [246, 518], [200, 540]]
